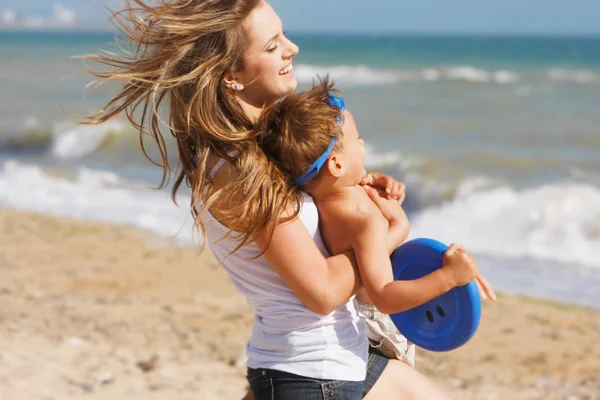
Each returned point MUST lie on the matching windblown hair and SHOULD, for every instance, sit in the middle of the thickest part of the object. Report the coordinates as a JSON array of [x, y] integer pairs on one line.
[[296, 131], [181, 51]]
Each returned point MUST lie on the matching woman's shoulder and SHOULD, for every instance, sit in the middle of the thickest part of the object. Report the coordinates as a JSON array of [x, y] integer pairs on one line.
[[221, 172]]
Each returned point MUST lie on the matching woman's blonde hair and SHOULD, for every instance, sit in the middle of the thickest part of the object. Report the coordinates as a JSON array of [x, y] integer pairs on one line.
[[296, 131], [181, 52]]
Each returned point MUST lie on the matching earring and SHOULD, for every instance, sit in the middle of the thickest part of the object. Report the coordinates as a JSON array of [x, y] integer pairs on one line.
[[237, 87]]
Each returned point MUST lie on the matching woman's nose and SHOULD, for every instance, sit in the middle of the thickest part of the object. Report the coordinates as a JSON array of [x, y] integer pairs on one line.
[[292, 49]]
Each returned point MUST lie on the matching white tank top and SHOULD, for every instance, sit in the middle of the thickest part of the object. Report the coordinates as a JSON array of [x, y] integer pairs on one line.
[[287, 336]]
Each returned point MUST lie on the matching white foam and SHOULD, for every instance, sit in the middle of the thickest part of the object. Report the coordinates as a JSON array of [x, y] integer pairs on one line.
[[97, 195], [468, 74], [363, 75], [559, 222], [401, 165], [477, 75], [474, 184], [431, 74], [504, 77], [360, 75], [74, 141], [577, 76], [374, 159]]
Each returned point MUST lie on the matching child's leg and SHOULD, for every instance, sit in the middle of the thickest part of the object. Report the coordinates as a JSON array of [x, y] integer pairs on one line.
[[384, 336]]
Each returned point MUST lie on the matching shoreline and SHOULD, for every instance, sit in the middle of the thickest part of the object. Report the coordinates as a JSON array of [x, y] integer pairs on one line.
[[101, 310]]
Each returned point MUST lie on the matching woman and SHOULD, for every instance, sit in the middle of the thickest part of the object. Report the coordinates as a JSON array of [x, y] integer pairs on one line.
[[218, 63]]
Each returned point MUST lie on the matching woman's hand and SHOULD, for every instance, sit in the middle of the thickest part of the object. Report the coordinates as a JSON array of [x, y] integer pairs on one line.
[[386, 185]]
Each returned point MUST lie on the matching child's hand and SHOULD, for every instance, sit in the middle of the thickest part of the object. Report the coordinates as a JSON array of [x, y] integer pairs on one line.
[[390, 208], [459, 265], [391, 187], [461, 268]]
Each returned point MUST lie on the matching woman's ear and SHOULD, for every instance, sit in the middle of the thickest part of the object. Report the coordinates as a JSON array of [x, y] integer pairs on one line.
[[336, 166], [230, 82]]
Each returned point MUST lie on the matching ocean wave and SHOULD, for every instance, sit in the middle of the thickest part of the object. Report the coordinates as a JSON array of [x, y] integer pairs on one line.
[[63, 140], [96, 195], [428, 182], [28, 140], [559, 222], [364, 75], [69, 141], [576, 76], [360, 75]]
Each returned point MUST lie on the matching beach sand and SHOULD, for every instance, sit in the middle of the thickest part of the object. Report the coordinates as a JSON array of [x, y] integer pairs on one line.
[[90, 310]]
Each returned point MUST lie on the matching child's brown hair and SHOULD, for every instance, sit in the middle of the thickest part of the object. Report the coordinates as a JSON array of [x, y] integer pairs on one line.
[[297, 130]]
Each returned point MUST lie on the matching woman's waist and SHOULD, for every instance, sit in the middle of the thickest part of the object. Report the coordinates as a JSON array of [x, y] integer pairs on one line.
[[333, 362], [298, 326], [282, 312], [333, 340]]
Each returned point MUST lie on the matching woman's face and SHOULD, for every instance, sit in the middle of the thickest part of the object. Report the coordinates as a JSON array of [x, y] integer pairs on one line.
[[268, 73]]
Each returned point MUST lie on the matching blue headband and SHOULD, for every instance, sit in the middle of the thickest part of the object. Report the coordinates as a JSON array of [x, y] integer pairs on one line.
[[318, 164]]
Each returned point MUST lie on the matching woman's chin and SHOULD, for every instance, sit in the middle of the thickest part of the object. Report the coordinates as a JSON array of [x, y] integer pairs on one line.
[[286, 88], [292, 84]]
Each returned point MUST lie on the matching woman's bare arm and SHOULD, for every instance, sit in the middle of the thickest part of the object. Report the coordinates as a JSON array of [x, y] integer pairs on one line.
[[322, 284]]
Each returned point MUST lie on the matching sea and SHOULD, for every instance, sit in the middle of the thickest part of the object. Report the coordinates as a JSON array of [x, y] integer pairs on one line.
[[497, 139]]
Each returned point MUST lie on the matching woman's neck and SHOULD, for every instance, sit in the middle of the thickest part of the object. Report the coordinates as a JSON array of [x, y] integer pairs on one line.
[[253, 107], [251, 111]]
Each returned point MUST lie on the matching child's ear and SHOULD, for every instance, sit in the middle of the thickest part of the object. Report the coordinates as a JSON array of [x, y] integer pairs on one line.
[[335, 166]]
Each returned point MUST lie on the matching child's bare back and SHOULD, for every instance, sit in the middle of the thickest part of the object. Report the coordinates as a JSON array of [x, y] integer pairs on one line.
[[340, 216]]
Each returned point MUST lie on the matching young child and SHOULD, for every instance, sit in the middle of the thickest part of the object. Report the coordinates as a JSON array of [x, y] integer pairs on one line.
[[315, 142]]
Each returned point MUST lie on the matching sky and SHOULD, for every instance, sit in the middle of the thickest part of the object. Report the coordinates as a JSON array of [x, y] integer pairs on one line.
[[402, 16]]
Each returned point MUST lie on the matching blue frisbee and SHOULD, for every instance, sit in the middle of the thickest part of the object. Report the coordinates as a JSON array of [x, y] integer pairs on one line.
[[446, 322]]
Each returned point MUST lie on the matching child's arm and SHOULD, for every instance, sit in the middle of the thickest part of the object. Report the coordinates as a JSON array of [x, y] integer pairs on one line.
[[399, 227], [375, 269]]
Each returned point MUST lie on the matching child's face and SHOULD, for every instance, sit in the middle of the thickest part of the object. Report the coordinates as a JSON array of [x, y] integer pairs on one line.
[[353, 151]]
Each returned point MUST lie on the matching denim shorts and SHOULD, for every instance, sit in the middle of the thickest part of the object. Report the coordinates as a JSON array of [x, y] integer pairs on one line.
[[268, 384]]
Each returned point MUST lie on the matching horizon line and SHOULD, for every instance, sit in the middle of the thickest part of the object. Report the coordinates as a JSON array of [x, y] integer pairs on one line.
[[103, 29]]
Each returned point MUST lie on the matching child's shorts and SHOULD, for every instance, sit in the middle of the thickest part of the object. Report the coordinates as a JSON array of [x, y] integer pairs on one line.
[[384, 336]]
